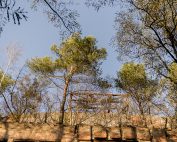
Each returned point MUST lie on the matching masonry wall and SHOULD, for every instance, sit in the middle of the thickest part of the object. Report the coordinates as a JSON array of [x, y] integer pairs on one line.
[[83, 133]]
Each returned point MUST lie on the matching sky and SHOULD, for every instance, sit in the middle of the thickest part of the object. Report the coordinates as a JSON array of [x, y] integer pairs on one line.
[[35, 36]]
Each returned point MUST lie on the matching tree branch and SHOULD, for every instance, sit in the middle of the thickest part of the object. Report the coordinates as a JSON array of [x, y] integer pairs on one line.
[[64, 24]]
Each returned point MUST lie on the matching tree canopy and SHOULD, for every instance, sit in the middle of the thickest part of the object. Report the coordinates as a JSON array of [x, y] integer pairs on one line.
[[5, 81], [147, 31], [133, 79], [74, 56], [58, 13]]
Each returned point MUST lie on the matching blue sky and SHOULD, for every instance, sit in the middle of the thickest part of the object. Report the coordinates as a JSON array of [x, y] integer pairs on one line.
[[35, 36]]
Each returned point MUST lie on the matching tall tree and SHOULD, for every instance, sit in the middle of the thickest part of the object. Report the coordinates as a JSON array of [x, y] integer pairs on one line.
[[6, 82], [172, 89], [133, 79], [75, 56], [148, 31], [25, 97]]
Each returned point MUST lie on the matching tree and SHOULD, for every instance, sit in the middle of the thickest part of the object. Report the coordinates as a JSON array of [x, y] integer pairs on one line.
[[19, 95], [12, 55], [8, 11], [133, 79], [75, 56], [148, 31], [171, 89], [58, 13], [26, 96], [6, 82]]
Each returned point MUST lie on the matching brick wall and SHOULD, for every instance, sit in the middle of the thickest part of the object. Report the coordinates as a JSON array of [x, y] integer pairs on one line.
[[45, 132]]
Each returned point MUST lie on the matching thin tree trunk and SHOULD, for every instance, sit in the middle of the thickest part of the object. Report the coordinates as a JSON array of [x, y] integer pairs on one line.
[[150, 117], [70, 110], [62, 107], [142, 114], [175, 117]]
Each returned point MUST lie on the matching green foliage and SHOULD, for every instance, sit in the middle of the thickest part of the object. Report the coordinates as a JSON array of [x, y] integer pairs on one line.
[[147, 31], [173, 72], [28, 95], [78, 54], [6, 81], [172, 85], [133, 79], [132, 75], [104, 83], [74, 56], [43, 65]]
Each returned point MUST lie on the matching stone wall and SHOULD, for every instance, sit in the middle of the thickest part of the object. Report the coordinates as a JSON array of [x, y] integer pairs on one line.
[[51, 133]]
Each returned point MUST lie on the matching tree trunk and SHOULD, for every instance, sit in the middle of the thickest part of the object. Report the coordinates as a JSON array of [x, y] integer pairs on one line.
[[175, 116], [150, 117], [142, 114], [62, 106], [70, 109]]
